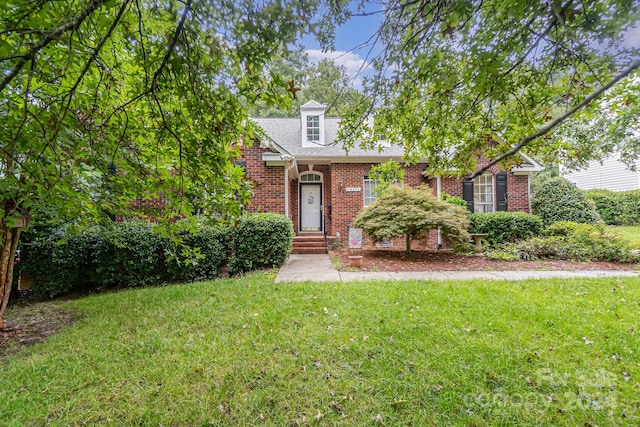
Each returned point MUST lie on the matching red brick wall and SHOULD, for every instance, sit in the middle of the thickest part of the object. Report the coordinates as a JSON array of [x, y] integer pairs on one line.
[[518, 189], [268, 194], [345, 206], [413, 175]]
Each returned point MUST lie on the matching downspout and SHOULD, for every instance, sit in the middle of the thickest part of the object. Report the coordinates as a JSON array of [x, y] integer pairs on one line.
[[529, 190], [438, 194]]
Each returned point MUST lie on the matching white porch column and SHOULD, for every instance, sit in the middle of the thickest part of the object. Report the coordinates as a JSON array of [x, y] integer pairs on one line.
[[286, 191], [289, 164]]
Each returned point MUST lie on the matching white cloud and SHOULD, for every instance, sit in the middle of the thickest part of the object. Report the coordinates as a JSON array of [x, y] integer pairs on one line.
[[352, 62]]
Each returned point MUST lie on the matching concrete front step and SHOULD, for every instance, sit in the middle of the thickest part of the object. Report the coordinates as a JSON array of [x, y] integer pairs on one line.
[[313, 244], [309, 244], [308, 250]]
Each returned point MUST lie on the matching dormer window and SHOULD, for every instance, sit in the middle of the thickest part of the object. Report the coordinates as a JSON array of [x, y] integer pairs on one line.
[[312, 124], [313, 128]]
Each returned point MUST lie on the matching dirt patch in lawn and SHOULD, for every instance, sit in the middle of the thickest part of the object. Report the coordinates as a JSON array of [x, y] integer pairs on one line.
[[32, 323], [389, 260]]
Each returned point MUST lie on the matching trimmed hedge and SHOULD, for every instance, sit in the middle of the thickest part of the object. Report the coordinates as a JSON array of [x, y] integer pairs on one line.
[[505, 227], [202, 254], [261, 240], [617, 207], [131, 254], [559, 200], [59, 260]]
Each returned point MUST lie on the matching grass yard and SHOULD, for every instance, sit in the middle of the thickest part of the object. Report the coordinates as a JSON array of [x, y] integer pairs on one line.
[[249, 352], [631, 233]]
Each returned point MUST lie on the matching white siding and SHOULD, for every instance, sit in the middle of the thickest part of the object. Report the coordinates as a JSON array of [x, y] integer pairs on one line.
[[611, 175]]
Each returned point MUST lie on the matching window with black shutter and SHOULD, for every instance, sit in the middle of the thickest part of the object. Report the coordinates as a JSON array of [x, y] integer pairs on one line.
[[479, 193]]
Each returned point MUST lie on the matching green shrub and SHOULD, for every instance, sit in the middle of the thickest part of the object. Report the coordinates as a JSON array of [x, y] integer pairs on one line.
[[559, 200], [505, 227], [454, 200], [411, 212], [630, 207], [539, 248], [59, 260], [617, 208], [575, 242], [464, 248], [261, 240], [570, 228], [131, 254], [549, 172], [201, 254], [502, 254]]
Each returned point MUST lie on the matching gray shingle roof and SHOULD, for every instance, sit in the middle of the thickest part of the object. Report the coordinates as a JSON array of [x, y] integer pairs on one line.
[[287, 133]]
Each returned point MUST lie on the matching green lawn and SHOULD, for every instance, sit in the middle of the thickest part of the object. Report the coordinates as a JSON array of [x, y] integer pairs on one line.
[[632, 234], [251, 352]]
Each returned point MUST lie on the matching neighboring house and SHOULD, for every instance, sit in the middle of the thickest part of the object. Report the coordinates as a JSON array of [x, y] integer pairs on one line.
[[611, 174], [301, 171]]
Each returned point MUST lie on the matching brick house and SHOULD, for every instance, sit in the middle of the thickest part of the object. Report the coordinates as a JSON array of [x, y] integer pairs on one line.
[[301, 172]]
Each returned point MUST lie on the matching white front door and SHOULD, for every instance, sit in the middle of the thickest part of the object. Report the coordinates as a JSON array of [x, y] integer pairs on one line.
[[311, 207]]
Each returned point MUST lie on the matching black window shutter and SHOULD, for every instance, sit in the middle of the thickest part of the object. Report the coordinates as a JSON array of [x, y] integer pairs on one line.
[[501, 192], [467, 193]]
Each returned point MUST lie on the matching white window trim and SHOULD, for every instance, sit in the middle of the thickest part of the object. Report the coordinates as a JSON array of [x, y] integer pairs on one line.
[[310, 113], [481, 183], [371, 197], [320, 174], [316, 118]]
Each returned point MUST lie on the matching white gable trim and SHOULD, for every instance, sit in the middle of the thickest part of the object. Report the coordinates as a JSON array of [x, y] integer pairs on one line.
[[530, 166], [313, 105]]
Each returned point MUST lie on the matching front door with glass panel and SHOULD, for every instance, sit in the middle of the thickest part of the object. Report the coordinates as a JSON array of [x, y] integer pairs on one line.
[[311, 207]]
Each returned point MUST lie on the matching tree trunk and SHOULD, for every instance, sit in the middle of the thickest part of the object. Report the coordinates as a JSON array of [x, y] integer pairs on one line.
[[408, 246], [10, 237]]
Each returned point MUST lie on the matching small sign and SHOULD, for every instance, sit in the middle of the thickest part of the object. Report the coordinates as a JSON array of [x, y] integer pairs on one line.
[[384, 244], [353, 189], [355, 238]]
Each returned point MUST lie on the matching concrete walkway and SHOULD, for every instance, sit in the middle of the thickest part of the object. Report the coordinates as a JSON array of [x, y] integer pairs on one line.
[[318, 268]]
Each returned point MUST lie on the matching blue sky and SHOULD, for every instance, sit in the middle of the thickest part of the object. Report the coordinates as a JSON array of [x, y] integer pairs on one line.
[[350, 43]]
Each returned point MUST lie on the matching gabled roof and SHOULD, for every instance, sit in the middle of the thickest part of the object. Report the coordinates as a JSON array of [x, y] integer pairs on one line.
[[528, 165], [286, 133], [312, 105], [285, 136]]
